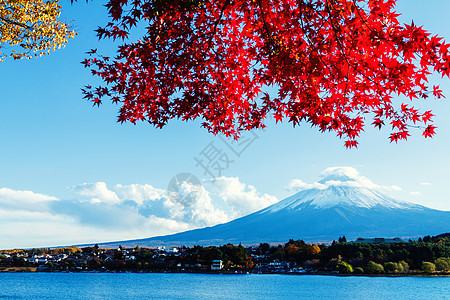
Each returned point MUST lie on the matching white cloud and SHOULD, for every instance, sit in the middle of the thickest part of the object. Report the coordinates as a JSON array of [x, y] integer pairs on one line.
[[193, 205], [339, 176], [43, 229], [24, 196], [97, 192], [415, 193], [241, 198], [27, 200], [392, 188], [299, 185], [100, 213], [426, 183], [23, 228], [139, 192], [340, 172]]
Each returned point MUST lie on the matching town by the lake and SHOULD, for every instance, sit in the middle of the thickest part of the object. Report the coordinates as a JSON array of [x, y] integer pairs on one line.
[[376, 256]]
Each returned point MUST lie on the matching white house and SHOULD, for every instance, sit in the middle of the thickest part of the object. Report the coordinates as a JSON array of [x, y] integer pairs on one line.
[[172, 250], [217, 265]]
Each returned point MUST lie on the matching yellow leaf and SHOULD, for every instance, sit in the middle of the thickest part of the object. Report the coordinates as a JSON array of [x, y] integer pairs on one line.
[[30, 28]]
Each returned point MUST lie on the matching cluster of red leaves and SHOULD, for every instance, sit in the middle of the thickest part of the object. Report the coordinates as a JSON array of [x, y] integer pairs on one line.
[[335, 63]]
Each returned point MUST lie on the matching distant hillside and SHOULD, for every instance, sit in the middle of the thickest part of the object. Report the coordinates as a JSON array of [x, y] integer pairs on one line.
[[441, 236]]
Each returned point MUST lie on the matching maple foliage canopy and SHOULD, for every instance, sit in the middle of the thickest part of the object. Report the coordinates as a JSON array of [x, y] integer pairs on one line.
[[336, 64], [31, 28]]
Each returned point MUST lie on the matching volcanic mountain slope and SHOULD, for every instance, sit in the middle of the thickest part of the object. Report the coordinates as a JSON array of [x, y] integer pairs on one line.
[[342, 203]]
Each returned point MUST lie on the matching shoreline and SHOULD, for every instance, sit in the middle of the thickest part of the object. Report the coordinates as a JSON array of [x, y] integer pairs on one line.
[[35, 270]]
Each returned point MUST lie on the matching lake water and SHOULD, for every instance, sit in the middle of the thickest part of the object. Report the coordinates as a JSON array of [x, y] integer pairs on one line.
[[216, 286]]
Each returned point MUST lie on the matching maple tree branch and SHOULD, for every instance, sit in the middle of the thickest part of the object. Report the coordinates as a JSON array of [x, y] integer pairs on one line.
[[15, 23], [213, 33], [317, 50], [370, 28], [197, 37], [310, 43], [346, 81], [338, 41], [388, 41], [304, 31], [265, 26], [364, 20], [415, 126], [340, 46]]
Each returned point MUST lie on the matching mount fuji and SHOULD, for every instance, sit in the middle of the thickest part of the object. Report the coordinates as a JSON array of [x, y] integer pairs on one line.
[[342, 203]]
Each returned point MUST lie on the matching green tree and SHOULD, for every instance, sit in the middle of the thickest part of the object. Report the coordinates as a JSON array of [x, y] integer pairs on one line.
[[374, 268], [264, 248], [344, 268], [211, 253], [391, 267], [49, 265], [427, 239], [291, 249], [96, 249], [428, 267], [342, 239], [403, 266], [442, 264]]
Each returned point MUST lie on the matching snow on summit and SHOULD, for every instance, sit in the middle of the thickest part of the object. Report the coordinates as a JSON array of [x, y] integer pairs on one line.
[[339, 186]]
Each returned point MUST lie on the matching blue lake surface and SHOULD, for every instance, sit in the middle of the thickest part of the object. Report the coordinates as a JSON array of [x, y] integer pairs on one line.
[[216, 286]]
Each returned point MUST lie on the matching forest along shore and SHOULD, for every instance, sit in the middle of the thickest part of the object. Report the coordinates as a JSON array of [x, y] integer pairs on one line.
[[428, 256]]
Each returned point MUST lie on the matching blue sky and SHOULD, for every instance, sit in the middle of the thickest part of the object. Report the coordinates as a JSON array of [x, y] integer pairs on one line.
[[72, 158]]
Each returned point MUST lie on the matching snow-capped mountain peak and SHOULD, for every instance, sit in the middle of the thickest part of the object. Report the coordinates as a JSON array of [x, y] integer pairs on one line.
[[335, 196], [340, 186]]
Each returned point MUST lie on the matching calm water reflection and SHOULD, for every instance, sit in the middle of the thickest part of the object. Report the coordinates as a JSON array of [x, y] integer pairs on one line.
[[205, 286]]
